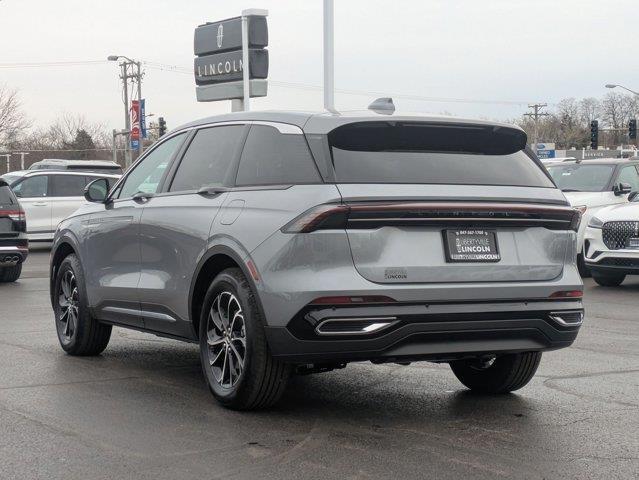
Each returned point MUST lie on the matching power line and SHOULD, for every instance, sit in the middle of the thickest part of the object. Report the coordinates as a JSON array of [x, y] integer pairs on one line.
[[72, 63]]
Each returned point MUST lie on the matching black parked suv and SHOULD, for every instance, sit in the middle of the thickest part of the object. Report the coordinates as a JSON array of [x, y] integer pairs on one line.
[[14, 245]]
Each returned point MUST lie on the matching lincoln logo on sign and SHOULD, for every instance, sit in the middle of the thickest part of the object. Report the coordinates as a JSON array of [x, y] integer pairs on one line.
[[220, 35]]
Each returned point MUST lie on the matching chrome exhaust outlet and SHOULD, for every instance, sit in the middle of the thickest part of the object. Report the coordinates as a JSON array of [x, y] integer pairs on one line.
[[354, 325], [572, 318]]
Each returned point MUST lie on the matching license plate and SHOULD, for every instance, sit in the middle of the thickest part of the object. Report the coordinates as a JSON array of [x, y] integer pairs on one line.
[[471, 245], [633, 243]]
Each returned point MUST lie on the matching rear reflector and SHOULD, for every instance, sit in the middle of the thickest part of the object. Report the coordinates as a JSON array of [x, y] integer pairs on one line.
[[352, 300], [568, 294]]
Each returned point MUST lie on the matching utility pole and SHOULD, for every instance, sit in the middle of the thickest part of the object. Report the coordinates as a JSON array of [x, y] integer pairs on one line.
[[329, 58], [535, 115], [130, 69]]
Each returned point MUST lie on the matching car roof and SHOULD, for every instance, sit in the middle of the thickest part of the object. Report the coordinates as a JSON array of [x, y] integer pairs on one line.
[[78, 162], [33, 173], [324, 122]]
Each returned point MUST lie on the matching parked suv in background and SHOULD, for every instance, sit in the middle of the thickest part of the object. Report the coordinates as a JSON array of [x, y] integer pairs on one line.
[[287, 242], [611, 243], [49, 196], [14, 246], [590, 185], [99, 166]]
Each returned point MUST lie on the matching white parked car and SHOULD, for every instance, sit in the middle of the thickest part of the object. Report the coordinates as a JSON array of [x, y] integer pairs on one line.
[[49, 196], [591, 185], [611, 243]]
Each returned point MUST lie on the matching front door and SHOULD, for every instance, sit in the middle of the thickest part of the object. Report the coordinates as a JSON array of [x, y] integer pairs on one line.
[[113, 253], [33, 193]]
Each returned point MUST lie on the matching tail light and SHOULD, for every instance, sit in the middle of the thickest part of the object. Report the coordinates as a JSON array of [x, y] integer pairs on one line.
[[568, 294], [18, 217], [486, 214]]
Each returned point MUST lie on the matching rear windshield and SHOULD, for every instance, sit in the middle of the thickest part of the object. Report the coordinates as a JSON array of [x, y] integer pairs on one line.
[[581, 177], [411, 152]]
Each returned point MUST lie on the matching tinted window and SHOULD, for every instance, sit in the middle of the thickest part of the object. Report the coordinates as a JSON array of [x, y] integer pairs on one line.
[[6, 197], [272, 158], [629, 175], [581, 177], [67, 185], [411, 152], [32, 187], [146, 176], [208, 158]]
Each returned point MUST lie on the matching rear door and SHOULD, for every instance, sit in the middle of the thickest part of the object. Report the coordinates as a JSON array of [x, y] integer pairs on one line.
[[33, 193], [448, 203], [67, 194], [175, 225]]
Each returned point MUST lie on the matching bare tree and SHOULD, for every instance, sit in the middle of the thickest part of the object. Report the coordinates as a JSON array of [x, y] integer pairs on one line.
[[63, 131], [13, 121], [589, 110]]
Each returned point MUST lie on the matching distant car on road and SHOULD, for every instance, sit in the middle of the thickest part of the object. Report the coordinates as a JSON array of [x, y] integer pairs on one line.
[[14, 246], [97, 166], [590, 185], [49, 196], [612, 243], [284, 241]]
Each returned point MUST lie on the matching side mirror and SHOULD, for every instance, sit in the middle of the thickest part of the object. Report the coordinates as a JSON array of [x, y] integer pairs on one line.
[[97, 190], [621, 188], [632, 196]]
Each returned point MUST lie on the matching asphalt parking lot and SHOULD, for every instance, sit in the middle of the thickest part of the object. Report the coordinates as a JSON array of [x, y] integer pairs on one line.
[[141, 410]]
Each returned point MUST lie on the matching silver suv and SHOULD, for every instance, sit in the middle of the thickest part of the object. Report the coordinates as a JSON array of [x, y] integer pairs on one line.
[[298, 242]]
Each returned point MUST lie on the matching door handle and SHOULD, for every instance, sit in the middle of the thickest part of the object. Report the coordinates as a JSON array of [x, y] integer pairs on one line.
[[142, 197], [212, 191], [40, 204]]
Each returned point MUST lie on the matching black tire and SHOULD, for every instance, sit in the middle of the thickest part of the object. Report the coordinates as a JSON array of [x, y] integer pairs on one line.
[[608, 279], [10, 274], [260, 379], [584, 271], [506, 374], [84, 335]]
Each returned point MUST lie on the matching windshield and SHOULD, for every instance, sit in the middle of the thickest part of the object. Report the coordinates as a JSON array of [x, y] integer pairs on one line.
[[581, 177], [426, 153]]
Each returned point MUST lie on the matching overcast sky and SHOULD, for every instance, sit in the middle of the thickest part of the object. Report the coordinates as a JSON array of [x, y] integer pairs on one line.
[[499, 54]]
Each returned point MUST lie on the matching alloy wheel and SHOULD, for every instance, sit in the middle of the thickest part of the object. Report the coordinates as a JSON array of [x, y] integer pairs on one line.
[[226, 339], [69, 302]]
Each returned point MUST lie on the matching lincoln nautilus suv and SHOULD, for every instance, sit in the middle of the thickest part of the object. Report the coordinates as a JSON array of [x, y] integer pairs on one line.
[[288, 242]]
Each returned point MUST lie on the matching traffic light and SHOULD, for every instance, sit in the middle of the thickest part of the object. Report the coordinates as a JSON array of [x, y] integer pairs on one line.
[[162, 126], [632, 129], [594, 134]]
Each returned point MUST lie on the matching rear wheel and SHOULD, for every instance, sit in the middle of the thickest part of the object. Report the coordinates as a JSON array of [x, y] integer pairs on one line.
[[78, 332], [608, 279], [10, 274], [238, 366], [497, 375]]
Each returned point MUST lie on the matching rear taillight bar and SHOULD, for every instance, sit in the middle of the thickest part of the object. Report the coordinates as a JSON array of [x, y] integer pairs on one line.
[[18, 218], [375, 215]]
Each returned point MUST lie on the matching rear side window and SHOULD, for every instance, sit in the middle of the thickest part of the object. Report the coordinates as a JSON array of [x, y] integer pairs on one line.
[[67, 185], [427, 153], [272, 158], [208, 158]]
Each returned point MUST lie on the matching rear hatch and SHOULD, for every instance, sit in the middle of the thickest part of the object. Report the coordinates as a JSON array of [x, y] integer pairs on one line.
[[12, 218], [441, 202]]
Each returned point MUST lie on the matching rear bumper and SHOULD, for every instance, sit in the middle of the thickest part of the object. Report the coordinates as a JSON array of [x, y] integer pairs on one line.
[[437, 332], [13, 255]]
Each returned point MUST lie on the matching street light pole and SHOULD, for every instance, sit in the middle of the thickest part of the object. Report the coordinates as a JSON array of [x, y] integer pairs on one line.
[[329, 58], [127, 116]]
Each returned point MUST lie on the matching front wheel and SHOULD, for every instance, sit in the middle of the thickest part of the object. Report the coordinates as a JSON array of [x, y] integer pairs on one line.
[[78, 332], [238, 366], [502, 374], [608, 279]]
